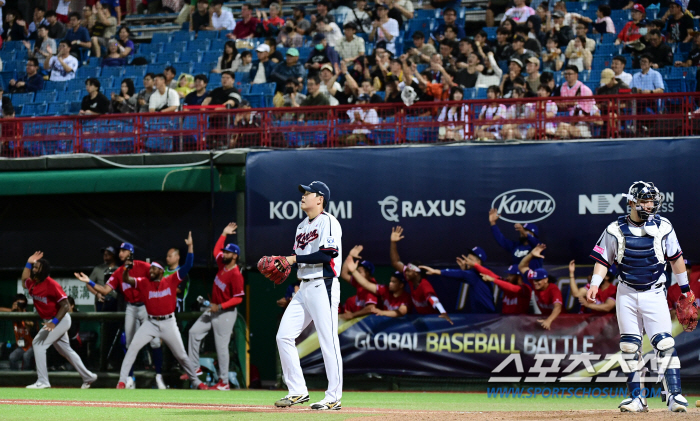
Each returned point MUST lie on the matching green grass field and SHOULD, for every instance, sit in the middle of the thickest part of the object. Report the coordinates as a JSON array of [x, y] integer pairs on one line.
[[404, 402]]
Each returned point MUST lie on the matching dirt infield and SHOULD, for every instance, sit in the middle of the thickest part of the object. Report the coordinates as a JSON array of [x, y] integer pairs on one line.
[[385, 414]]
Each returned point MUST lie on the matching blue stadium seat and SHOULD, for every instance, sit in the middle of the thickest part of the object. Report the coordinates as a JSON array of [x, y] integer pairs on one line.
[[45, 96], [115, 72], [148, 49], [490, 32], [7, 55], [181, 36], [607, 49], [691, 85], [76, 85], [155, 68], [217, 45], [203, 68], [263, 88], [6, 77], [601, 62], [481, 93], [33, 109], [59, 108], [189, 57], [75, 107], [22, 99], [198, 45], [211, 56], [305, 52], [469, 93], [209, 34], [86, 72], [244, 88], [214, 80], [106, 82], [19, 66], [160, 37], [166, 58], [50, 85], [71, 96], [256, 100], [609, 38], [14, 46], [426, 14], [416, 133], [674, 85], [242, 77], [176, 47], [135, 71]]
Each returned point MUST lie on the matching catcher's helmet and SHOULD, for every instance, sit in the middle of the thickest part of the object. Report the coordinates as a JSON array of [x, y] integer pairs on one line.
[[641, 190]]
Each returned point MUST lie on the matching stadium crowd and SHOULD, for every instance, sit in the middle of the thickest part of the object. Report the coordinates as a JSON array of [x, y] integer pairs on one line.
[[353, 54]]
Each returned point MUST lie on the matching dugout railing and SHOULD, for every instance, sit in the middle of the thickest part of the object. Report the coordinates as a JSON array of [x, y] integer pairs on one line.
[[382, 124]]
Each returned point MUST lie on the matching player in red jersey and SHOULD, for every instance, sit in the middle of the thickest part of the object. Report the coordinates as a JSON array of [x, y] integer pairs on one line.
[[674, 291], [516, 293], [364, 301], [604, 300], [50, 301], [136, 314], [226, 294], [423, 295], [547, 296]]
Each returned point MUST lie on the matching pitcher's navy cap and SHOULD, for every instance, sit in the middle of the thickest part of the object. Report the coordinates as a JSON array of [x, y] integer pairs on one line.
[[317, 187], [479, 252]]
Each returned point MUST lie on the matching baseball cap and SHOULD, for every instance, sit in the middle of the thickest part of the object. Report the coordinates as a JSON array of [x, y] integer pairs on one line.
[[367, 265], [319, 37], [300, 8], [317, 187], [533, 60], [398, 275], [532, 228], [109, 249], [230, 247], [327, 66], [382, 6], [263, 48], [678, 3], [516, 61], [606, 76], [519, 38], [558, 14], [127, 246], [479, 252], [513, 270], [293, 52], [639, 8], [536, 274]]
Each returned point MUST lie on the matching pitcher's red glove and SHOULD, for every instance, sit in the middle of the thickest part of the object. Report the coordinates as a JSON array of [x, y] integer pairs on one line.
[[687, 311], [275, 268]]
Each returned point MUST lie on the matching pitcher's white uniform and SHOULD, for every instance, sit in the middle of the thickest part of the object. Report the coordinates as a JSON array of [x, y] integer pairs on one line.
[[317, 301]]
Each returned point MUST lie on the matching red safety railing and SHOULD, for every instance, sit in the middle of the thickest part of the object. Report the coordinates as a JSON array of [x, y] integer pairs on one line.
[[197, 129]]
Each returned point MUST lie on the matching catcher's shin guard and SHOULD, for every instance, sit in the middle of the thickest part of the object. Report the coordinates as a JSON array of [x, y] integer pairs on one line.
[[669, 364], [631, 345]]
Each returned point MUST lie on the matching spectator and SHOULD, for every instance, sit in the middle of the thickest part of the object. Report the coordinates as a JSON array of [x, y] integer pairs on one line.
[[534, 25], [438, 91], [32, 81], [197, 96], [114, 57], [149, 6], [22, 357], [404, 7], [261, 70], [105, 28], [245, 28], [62, 10], [246, 62], [289, 36], [56, 29], [648, 81], [678, 24], [492, 111], [661, 53], [384, 28], [458, 117], [364, 301], [581, 31], [533, 74], [88, 20], [573, 88], [603, 23], [527, 240], [226, 95], [547, 295], [77, 36], [270, 26], [467, 76], [169, 72], [605, 299], [579, 55], [449, 19], [531, 44], [618, 66], [503, 49], [185, 85], [126, 45], [44, 46], [144, 97], [163, 99], [13, 27], [515, 70], [220, 19], [94, 103], [491, 75], [124, 102], [63, 65], [425, 301], [421, 51], [547, 79], [611, 85], [547, 109], [493, 9], [519, 12], [115, 9], [6, 108], [322, 8], [245, 121], [351, 47], [631, 31], [516, 293], [517, 111], [301, 24], [290, 68], [365, 119], [561, 33], [283, 98], [359, 17], [330, 29], [552, 59], [329, 86], [229, 60], [518, 50], [199, 16], [315, 97], [38, 20], [321, 54]]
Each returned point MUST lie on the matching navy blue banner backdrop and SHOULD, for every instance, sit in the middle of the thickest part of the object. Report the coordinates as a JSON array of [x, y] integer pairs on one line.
[[501, 348], [441, 195]]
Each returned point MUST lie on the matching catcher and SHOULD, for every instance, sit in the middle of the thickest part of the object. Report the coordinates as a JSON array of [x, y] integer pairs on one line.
[[317, 251], [641, 244]]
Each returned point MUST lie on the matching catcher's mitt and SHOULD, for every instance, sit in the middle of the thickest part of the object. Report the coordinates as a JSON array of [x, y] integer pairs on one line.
[[275, 268], [687, 311]]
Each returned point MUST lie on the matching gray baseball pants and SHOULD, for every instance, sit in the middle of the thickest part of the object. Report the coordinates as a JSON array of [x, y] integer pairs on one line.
[[59, 339], [222, 324], [168, 332], [136, 316]]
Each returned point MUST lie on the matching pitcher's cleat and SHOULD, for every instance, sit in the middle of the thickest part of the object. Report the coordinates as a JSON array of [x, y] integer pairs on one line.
[[633, 405], [290, 400], [86, 385], [326, 406], [130, 383], [159, 382], [38, 385]]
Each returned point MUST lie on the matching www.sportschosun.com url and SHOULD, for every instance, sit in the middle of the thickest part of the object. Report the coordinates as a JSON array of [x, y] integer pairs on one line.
[[568, 393]]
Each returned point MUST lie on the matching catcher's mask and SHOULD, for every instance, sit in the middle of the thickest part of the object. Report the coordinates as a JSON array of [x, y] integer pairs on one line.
[[642, 191]]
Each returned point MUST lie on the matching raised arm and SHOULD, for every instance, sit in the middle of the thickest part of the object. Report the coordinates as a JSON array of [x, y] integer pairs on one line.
[[189, 260], [524, 265], [351, 266], [92, 286], [352, 256], [27, 271], [228, 230], [575, 290], [396, 236]]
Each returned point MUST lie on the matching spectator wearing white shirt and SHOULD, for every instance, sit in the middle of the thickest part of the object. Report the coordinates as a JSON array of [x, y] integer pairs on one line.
[[163, 99], [221, 18], [457, 115], [365, 118], [618, 66], [359, 17], [330, 29], [385, 28], [63, 65]]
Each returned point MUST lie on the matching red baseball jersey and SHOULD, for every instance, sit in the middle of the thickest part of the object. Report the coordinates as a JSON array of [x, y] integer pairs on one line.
[[46, 296], [364, 297], [674, 293], [389, 302], [351, 305], [547, 298], [141, 269], [228, 283], [160, 297], [600, 298], [516, 300], [420, 297]]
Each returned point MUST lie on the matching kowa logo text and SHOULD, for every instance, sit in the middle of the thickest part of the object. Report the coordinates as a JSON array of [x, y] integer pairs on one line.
[[524, 205], [607, 204], [292, 210]]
